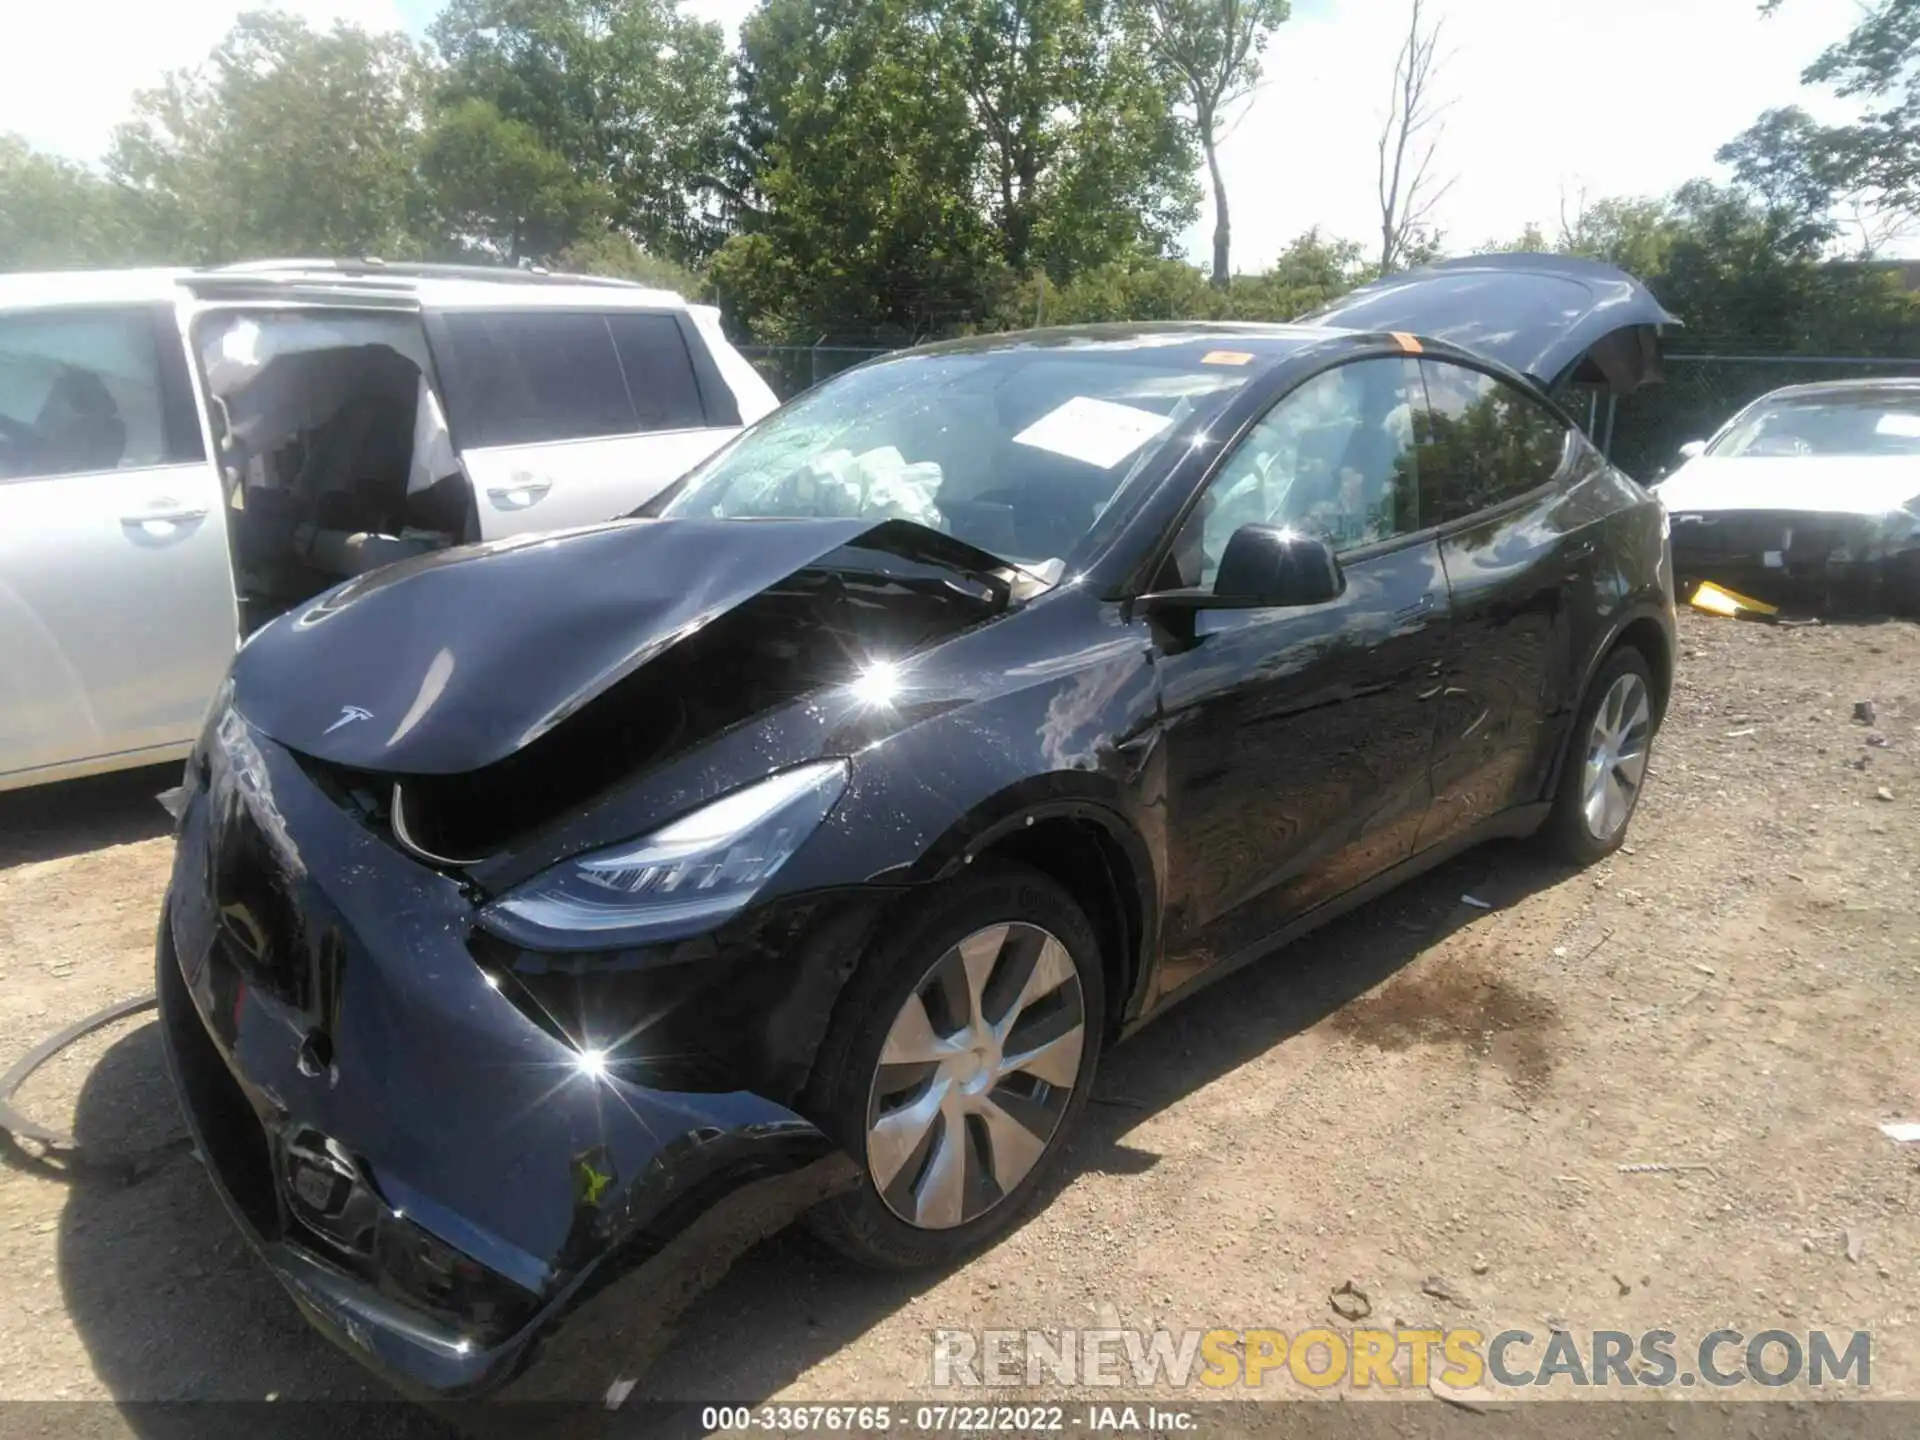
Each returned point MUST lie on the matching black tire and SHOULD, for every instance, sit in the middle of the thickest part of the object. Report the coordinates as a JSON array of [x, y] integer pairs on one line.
[[860, 1224], [1900, 585], [1567, 830]]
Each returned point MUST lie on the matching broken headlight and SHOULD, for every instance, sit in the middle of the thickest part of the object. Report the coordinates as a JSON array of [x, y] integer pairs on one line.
[[680, 880]]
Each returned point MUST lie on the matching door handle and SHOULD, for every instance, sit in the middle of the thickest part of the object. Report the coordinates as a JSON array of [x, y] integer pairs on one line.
[[165, 512], [525, 492], [1417, 609]]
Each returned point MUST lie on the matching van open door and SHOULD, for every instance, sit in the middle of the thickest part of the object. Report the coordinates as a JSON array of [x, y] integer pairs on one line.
[[330, 436]]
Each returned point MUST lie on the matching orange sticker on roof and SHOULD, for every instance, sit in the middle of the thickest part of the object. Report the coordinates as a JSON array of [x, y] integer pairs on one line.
[[1226, 357], [1407, 343]]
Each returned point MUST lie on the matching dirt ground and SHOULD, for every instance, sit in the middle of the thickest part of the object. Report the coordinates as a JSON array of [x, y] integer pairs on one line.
[[1426, 1089]]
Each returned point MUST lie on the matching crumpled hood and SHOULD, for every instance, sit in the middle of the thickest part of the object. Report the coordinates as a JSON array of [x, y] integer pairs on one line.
[[1828, 485], [451, 662]]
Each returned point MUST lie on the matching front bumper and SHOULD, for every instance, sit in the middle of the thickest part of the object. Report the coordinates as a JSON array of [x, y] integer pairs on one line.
[[1789, 546], [434, 1176]]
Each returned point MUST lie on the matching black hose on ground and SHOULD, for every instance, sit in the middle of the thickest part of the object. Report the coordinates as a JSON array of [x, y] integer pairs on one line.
[[60, 1153]]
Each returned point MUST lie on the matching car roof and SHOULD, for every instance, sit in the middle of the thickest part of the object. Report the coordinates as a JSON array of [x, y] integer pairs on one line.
[[1819, 389], [1263, 339], [319, 281], [90, 287]]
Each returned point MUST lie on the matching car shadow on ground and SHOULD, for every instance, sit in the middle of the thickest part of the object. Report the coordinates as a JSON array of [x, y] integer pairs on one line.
[[173, 1307], [51, 822], [789, 1304]]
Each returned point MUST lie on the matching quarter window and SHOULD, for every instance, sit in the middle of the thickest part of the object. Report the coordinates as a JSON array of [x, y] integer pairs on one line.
[[1336, 457], [1487, 441], [529, 377], [79, 392], [658, 371]]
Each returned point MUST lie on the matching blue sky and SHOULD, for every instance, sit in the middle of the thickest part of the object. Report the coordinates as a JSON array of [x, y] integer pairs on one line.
[[1549, 97]]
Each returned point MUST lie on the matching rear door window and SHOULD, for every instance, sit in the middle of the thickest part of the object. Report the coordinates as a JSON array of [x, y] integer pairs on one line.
[[79, 392], [1487, 442], [528, 377]]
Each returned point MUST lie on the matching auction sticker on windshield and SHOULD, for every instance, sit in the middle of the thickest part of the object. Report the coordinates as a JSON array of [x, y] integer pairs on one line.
[[1095, 432]]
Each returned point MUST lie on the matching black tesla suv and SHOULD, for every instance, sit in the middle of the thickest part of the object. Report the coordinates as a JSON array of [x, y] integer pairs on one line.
[[801, 843]]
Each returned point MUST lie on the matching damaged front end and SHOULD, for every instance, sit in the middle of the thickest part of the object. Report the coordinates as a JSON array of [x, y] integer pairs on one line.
[[442, 1091], [1868, 558]]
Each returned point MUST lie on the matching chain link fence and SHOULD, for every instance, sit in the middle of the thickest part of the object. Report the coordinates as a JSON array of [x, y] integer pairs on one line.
[[1642, 433], [789, 369]]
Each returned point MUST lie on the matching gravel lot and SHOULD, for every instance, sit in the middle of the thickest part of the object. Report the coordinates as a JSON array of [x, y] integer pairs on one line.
[[1425, 1089]]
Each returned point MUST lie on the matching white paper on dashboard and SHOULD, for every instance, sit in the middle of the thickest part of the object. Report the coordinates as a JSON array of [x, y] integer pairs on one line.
[[1898, 422], [1095, 432]]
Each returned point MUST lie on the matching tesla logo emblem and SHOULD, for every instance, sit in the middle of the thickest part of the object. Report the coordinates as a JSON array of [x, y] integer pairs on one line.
[[348, 714]]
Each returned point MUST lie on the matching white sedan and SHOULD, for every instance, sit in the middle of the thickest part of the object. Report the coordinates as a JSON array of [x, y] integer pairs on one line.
[[1813, 483]]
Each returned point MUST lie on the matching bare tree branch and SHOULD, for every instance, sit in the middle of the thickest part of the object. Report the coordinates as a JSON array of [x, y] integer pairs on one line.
[[1409, 190], [1211, 51]]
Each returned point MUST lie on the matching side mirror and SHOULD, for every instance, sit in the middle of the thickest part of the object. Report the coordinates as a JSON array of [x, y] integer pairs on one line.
[[1265, 566], [1693, 449]]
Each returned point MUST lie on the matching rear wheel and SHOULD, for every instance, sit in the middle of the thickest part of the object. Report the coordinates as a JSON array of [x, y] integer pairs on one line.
[[957, 1065], [1606, 764]]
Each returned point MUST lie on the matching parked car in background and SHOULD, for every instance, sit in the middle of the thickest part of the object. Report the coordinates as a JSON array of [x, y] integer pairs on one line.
[[534, 902], [186, 454], [1811, 483]]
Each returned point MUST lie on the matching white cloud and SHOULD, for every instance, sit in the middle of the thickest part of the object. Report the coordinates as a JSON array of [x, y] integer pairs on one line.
[[1628, 98], [69, 68]]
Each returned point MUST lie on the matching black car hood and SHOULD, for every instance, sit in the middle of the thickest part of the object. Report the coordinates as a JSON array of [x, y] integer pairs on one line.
[[452, 662], [1556, 319]]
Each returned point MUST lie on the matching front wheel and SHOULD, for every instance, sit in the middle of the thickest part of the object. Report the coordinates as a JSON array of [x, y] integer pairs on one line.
[[956, 1067], [1606, 765]]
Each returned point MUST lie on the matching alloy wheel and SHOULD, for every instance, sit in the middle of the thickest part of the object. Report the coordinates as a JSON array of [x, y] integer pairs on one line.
[[1616, 756], [975, 1075]]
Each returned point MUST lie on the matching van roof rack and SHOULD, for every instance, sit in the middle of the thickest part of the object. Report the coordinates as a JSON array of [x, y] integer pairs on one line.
[[371, 266]]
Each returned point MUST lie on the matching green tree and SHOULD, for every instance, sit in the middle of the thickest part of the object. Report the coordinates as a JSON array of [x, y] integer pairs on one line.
[[857, 199], [909, 167], [1309, 273], [1080, 157], [288, 140], [1212, 50], [496, 189], [1868, 171], [608, 252], [1789, 162], [1635, 234], [1141, 287], [56, 215], [631, 94]]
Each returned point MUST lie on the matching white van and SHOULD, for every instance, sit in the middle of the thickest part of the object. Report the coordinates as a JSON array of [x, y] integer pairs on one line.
[[185, 455]]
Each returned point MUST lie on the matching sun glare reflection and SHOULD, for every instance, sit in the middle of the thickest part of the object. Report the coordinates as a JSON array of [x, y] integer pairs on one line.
[[878, 685]]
